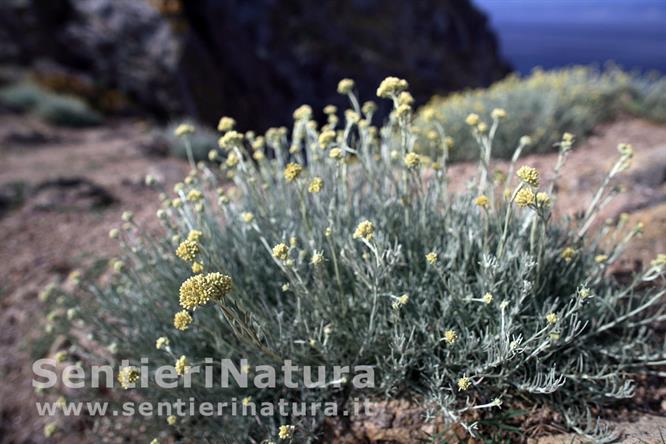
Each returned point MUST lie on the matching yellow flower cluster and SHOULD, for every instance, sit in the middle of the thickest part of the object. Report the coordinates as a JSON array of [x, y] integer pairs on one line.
[[498, 113], [412, 160], [162, 342], [316, 185], [182, 320], [303, 112], [487, 298], [286, 431], [230, 139], [464, 383], [364, 230], [431, 258], [345, 86], [391, 86], [226, 124], [292, 171], [543, 199], [194, 196], [188, 250], [198, 290], [472, 119], [182, 365], [128, 376], [568, 254], [336, 153], [247, 217], [525, 197], [529, 175], [317, 258], [183, 129], [551, 318], [481, 201], [281, 251], [326, 138], [450, 336]]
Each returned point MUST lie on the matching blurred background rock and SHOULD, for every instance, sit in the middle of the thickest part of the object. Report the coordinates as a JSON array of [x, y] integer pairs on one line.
[[207, 58]]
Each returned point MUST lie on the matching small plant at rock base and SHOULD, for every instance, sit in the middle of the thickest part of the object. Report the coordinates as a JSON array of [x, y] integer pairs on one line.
[[463, 303], [67, 111]]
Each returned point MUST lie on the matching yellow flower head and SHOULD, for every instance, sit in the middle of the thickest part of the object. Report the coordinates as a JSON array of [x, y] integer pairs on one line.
[[183, 129], [601, 258], [187, 250], [226, 124], [303, 112], [431, 258], [450, 336], [230, 140], [335, 153], [364, 230], [232, 160], [330, 109], [317, 258], [551, 318], [217, 285], [50, 429], [345, 86], [162, 342], [412, 160], [369, 107], [171, 420], [326, 138], [182, 320], [487, 298], [529, 175], [194, 196], [498, 113], [281, 251], [258, 156], [402, 300], [286, 431], [197, 267], [128, 376], [464, 383], [526, 140], [568, 254], [247, 217], [481, 201], [246, 401], [405, 98], [403, 111], [192, 292], [292, 171], [525, 197], [182, 365], [316, 185], [543, 199], [391, 86], [472, 119], [194, 235]]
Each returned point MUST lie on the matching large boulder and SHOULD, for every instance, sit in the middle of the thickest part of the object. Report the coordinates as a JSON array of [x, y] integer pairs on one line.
[[254, 60]]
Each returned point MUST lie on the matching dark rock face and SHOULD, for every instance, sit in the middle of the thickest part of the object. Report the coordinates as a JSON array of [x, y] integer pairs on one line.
[[258, 60]]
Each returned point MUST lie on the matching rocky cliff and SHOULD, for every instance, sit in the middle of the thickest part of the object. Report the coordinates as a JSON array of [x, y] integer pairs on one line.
[[254, 60]]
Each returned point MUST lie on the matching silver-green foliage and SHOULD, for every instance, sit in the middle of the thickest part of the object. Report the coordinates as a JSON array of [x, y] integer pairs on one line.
[[557, 331], [543, 105]]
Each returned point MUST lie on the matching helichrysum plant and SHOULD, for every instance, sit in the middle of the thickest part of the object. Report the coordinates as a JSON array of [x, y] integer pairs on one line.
[[340, 245], [542, 106]]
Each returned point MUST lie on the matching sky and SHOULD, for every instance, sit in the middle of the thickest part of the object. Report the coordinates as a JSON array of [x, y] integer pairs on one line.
[[554, 33]]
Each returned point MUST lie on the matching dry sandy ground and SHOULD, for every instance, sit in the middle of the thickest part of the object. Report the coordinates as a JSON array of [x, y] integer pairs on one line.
[[63, 226]]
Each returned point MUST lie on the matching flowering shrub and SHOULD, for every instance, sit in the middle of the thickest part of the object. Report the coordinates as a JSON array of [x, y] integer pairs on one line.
[[542, 106], [341, 246]]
